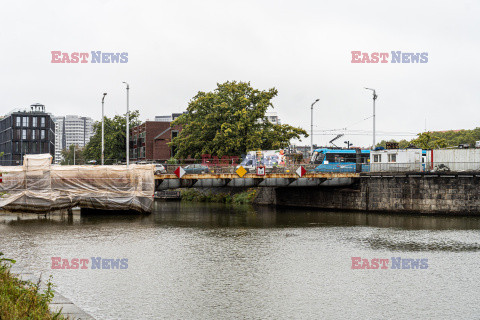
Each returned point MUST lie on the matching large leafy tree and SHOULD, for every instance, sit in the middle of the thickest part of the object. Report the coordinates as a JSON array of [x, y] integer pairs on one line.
[[230, 121], [67, 156], [115, 129]]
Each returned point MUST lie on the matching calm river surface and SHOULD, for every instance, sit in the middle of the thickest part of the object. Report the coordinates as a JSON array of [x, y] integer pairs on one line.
[[211, 261]]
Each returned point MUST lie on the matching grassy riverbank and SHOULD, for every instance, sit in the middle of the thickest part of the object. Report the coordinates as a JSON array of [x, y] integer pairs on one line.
[[23, 299], [195, 195]]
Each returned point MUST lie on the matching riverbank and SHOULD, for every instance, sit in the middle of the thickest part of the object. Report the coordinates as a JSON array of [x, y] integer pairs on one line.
[[21, 299]]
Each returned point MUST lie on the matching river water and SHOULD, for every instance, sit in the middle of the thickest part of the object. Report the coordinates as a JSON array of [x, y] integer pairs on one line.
[[214, 261]]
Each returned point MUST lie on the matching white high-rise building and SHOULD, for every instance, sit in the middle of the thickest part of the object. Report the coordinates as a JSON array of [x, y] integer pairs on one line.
[[272, 117], [71, 129], [78, 130], [59, 137]]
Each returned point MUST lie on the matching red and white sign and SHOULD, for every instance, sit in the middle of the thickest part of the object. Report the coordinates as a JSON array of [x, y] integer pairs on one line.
[[301, 171], [1, 179], [260, 170], [179, 172]]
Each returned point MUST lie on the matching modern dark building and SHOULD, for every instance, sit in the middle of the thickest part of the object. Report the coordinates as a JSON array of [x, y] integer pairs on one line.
[[26, 132]]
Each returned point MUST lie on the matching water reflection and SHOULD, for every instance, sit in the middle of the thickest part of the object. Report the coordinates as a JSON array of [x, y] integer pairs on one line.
[[219, 215], [213, 215]]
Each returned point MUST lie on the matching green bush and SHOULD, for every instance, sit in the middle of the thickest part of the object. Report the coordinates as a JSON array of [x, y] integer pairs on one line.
[[245, 197], [194, 195], [22, 299], [172, 161]]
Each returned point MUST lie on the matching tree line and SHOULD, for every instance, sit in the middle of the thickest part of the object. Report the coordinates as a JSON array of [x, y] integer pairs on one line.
[[439, 139], [229, 121]]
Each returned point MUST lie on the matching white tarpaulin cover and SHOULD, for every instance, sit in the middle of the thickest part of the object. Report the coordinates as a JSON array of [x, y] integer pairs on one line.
[[39, 186]]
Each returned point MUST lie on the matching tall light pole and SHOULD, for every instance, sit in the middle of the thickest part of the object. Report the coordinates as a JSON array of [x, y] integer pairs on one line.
[[103, 130], [128, 127], [311, 126], [374, 98]]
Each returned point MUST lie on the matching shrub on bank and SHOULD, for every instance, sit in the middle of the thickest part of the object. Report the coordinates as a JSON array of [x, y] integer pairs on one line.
[[245, 197], [194, 195], [22, 299]]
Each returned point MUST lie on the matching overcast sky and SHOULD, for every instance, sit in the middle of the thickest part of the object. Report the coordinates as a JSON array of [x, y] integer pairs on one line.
[[302, 48]]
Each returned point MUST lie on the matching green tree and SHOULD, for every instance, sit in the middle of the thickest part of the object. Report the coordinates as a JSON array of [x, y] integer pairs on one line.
[[67, 155], [455, 137], [230, 121], [427, 140], [115, 129], [402, 144]]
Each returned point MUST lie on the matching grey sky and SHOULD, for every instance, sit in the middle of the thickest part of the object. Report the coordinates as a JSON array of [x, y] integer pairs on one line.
[[302, 48]]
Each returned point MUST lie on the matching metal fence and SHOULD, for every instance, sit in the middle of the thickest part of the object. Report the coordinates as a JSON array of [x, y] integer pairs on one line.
[[229, 169], [426, 167], [199, 167], [435, 167]]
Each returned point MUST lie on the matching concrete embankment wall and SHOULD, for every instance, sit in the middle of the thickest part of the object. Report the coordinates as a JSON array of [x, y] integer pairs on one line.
[[451, 194]]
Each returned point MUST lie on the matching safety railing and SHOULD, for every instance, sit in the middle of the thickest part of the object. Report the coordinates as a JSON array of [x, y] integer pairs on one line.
[[394, 167]]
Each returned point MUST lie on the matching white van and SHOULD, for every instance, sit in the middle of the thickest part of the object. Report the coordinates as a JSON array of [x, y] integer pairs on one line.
[[267, 158]]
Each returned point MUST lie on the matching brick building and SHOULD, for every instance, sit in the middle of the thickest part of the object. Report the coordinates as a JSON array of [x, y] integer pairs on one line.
[[149, 141]]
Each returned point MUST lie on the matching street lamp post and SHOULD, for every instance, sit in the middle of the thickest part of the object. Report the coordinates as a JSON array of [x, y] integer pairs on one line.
[[103, 129], [311, 126], [374, 98], [128, 127]]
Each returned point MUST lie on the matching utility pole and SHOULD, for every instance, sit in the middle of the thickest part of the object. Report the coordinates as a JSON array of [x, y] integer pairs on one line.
[[103, 129], [128, 127], [21, 145], [374, 98], [311, 126]]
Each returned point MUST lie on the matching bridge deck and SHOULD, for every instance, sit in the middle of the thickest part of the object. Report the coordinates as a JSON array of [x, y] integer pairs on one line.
[[321, 175]]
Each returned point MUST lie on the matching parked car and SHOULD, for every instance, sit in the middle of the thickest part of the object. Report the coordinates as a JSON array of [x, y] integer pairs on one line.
[[160, 169], [196, 169]]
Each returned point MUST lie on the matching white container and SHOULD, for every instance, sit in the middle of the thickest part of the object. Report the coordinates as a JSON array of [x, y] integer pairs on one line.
[[396, 160]]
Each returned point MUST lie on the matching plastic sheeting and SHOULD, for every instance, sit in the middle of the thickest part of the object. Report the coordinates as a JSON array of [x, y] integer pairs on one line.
[[38, 186]]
